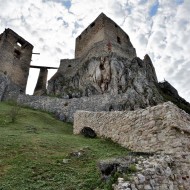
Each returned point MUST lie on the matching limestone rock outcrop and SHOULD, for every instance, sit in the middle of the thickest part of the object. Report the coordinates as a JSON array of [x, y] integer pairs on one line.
[[108, 75], [169, 93], [8, 90], [106, 64]]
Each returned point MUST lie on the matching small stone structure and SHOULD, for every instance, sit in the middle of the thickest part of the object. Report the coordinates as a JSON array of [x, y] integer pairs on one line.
[[15, 58], [163, 129]]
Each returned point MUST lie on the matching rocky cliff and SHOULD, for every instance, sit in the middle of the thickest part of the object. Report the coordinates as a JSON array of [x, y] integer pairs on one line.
[[133, 82], [8, 89], [169, 93], [108, 75]]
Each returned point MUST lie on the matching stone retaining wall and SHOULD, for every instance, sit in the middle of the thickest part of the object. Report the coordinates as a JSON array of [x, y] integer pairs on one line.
[[67, 107]]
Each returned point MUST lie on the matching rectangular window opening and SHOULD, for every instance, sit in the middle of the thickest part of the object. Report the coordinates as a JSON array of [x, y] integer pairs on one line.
[[118, 40], [19, 44], [17, 54]]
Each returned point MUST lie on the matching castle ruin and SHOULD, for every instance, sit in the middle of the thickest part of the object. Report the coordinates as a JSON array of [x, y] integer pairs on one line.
[[106, 76], [15, 58], [102, 39]]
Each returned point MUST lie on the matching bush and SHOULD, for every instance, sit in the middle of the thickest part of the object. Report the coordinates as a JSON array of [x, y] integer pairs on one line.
[[14, 112]]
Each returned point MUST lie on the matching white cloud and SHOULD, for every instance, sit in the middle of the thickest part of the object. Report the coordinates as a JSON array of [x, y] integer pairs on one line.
[[52, 26]]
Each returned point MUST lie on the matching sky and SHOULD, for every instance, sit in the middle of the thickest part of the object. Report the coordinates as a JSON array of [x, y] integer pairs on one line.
[[160, 28]]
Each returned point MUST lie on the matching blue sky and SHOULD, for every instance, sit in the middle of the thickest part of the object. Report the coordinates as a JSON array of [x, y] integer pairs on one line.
[[66, 3], [160, 28], [154, 9]]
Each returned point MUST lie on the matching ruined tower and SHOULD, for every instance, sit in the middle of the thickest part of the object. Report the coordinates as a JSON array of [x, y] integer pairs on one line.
[[15, 58], [102, 36]]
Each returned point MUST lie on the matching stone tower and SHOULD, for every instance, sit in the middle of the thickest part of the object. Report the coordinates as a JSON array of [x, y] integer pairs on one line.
[[15, 58], [102, 36]]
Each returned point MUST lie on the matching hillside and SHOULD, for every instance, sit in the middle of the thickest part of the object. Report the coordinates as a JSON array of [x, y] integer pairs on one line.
[[39, 152]]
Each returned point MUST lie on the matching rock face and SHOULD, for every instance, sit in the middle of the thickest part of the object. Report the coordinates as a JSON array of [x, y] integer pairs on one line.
[[169, 93], [106, 64], [108, 75], [8, 90]]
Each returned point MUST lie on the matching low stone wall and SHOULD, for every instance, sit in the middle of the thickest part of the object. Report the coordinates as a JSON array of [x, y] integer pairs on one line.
[[162, 128], [67, 107]]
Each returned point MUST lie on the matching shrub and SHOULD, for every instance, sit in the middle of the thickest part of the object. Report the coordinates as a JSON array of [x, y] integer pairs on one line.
[[14, 112]]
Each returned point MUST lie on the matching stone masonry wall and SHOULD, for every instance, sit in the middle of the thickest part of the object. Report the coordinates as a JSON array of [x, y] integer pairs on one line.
[[15, 57], [162, 128], [103, 36], [118, 39], [92, 34], [104, 102]]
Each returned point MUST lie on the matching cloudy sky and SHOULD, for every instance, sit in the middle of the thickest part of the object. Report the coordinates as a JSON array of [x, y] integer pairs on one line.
[[160, 28]]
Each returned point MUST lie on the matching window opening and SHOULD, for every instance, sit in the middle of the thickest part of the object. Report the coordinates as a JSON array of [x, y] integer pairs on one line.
[[92, 25], [17, 54], [118, 40]]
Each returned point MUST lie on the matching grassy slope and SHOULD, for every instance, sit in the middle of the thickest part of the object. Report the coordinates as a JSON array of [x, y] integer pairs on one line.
[[33, 148]]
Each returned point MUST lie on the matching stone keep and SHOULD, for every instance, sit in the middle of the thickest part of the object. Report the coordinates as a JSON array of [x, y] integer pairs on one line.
[[101, 37], [15, 58]]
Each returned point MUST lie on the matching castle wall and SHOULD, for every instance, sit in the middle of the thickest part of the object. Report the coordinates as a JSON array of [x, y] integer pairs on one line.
[[68, 66], [92, 34], [119, 40], [15, 57], [162, 128]]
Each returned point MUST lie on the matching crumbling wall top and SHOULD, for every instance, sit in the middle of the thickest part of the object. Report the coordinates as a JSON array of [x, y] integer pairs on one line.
[[15, 57]]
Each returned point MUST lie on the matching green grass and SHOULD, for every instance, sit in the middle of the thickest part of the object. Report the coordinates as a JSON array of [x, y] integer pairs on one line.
[[32, 150]]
